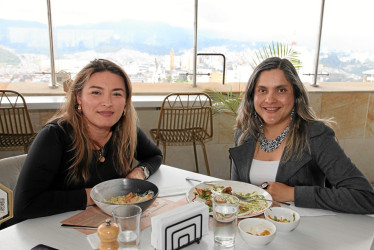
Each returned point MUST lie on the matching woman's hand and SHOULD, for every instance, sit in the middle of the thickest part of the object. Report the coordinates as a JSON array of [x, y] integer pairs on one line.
[[136, 173], [281, 192], [90, 202]]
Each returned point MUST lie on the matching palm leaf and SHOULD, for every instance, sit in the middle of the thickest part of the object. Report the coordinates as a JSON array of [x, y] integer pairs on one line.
[[224, 102], [276, 49]]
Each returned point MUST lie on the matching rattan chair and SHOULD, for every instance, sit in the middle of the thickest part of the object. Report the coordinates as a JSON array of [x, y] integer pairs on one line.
[[16, 131], [185, 118]]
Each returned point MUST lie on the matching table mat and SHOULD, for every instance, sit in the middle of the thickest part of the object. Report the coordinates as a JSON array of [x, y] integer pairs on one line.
[[93, 216]]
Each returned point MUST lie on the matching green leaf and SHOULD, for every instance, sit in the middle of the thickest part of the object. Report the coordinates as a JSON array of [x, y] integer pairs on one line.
[[276, 49]]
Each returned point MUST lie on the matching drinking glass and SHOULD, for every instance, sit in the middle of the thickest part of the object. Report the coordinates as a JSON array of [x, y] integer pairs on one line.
[[225, 214], [128, 219]]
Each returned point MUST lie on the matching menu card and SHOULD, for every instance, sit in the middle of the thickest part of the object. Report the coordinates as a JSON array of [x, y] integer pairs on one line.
[[88, 220]]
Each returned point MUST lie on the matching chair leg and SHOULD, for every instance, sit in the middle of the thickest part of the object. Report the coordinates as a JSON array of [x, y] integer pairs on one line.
[[205, 158], [196, 162], [164, 153]]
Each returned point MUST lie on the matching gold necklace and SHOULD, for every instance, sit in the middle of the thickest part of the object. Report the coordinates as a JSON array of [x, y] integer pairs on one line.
[[101, 155]]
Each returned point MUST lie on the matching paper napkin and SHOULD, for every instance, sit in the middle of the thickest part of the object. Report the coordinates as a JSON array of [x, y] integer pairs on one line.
[[180, 226], [310, 211], [172, 191]]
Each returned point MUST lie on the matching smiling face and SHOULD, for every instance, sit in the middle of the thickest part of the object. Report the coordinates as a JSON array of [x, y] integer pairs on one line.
[[274, 98], [103, 99]]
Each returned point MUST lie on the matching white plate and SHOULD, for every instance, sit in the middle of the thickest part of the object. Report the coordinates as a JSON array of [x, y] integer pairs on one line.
[[237, 187]]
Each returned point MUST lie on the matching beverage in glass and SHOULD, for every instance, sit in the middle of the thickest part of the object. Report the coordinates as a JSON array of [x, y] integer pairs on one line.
[[225, 214], [128, 219]]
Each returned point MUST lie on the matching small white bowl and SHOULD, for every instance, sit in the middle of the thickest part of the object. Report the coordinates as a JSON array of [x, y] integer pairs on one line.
[[256, 226], [276, 213]]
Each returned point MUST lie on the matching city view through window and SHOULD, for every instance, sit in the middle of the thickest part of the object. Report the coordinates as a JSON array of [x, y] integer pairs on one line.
[[153, 40]]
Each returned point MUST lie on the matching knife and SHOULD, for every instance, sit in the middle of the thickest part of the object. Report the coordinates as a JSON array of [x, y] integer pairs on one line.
[[77, 226], [259, 199]]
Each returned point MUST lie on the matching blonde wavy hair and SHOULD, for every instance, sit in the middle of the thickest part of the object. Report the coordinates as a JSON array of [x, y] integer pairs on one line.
[[124, 132], [249, 123]]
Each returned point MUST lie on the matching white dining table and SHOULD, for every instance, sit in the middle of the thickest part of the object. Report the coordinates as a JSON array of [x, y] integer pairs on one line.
[[338, 231]]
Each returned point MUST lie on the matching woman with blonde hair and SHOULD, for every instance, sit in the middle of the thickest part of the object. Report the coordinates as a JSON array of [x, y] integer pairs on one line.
[[93, 138], [281, 145]]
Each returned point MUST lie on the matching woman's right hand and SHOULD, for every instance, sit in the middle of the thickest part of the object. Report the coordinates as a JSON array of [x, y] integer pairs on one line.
[[281, 192], [90, 202]]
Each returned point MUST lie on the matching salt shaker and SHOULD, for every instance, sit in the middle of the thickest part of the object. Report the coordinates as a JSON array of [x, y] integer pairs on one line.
[[108, 233]]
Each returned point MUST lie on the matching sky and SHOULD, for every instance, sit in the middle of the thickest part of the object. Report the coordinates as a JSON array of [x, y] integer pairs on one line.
[[347, 23]]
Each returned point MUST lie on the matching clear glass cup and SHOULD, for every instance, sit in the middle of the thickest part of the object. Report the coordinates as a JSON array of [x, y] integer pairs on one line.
[[225, 214], [128, 219]]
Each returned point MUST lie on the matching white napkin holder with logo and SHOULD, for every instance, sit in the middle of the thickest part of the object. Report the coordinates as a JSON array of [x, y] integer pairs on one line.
[[180, 227]]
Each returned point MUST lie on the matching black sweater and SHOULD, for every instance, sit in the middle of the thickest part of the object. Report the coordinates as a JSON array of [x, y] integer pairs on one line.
[[43, 188]]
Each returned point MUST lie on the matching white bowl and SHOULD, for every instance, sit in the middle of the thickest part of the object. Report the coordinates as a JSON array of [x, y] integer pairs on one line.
[[256, 226], [292, 217]]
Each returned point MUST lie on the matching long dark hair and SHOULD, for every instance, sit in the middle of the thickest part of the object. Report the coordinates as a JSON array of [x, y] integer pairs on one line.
[[249, 123]]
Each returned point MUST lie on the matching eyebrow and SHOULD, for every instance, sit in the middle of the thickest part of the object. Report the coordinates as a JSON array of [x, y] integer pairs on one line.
[[98, 87], [278, 86]]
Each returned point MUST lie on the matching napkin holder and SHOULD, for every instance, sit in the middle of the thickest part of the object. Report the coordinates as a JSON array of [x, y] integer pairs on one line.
[[180, 227]]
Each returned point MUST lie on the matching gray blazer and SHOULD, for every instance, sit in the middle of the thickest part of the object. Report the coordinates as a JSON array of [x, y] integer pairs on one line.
[[350, 191]]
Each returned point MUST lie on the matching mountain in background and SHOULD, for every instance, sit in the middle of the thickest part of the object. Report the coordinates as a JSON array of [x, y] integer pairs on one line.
[[26, 37], [8, 57], [152, 38], [347, 70]]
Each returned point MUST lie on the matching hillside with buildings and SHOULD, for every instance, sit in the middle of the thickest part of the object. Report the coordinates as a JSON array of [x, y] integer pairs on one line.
[[150, 52]]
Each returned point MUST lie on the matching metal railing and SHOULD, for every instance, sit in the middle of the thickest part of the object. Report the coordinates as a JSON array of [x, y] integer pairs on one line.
[[208, 74]]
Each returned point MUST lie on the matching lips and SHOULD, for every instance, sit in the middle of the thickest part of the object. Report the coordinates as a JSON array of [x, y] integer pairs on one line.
[[271, 109], [106, 113]]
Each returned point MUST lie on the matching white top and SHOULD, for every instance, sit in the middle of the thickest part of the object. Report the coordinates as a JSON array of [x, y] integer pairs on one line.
[[263, 171]]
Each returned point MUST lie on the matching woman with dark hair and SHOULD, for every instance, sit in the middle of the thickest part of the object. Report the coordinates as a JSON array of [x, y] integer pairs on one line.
[[281, 145], [93, 138]]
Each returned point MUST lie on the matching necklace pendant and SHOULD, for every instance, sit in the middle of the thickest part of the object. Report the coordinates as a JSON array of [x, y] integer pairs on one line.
[[101, 158]]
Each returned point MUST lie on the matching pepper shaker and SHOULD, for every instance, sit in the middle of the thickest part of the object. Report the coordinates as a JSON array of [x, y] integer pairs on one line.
[[108, 233]]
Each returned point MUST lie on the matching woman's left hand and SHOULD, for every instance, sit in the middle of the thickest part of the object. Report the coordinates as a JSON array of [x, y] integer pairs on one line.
[[281, 192], [136, 173], [89, 202]]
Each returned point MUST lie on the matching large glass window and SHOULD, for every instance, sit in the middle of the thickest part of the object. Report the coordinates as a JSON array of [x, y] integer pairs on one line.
[[24, 45], [347, 51], [239, 28], [153, 40]]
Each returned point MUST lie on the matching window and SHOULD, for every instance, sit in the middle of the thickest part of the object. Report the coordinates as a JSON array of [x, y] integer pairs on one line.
[[153, 40], [347, 49]]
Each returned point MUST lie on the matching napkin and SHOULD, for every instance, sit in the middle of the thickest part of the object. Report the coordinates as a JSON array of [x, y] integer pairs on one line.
[[172, 191], [310, 211], [180, 226], [94, 240]]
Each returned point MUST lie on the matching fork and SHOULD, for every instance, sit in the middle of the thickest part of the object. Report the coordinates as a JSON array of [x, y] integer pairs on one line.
[[259, 199], [192, 179]]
